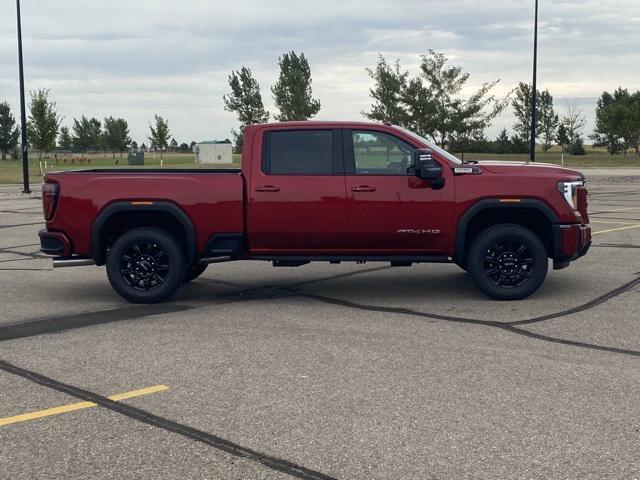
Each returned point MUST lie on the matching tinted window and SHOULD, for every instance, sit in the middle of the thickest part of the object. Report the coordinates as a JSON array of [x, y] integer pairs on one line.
[[302, 152], [381, 154]]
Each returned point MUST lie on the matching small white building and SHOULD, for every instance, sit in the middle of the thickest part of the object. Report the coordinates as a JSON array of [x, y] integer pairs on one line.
[[213, 152]]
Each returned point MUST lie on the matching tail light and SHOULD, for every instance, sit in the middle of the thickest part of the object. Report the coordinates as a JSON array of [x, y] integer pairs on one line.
[[49, 199]]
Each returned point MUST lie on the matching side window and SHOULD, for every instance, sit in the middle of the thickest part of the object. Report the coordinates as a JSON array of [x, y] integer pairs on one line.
[[377, 153], [301, 152]]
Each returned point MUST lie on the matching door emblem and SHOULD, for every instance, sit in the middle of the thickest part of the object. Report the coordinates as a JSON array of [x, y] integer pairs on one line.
[[418, 231]]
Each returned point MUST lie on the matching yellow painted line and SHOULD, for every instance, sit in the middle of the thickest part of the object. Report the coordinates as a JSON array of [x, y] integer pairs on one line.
[[612, 222], [619, 209], [629, 227], [72, 407]]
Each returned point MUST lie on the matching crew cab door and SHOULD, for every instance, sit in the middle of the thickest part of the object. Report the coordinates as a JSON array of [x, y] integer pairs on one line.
[[297, 196], [390, 209]]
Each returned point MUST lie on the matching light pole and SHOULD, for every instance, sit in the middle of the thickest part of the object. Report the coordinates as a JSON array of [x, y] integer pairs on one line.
[[534, 88], [25, 149]]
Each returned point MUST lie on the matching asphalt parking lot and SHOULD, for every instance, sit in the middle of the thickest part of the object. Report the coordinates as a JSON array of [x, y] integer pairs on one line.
[[318, 372]]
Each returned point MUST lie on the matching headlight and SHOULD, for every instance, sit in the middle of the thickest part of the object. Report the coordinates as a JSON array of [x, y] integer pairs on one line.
[[569, 190]]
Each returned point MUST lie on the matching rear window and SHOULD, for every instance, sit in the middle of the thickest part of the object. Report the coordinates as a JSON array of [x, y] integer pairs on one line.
[[301, 152]]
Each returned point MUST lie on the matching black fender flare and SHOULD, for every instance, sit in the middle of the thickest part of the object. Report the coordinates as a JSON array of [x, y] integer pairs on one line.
[[132, 206], [493, 203]]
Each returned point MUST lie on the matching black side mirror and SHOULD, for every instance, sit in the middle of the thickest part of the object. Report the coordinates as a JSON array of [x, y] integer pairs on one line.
[[427, 168]]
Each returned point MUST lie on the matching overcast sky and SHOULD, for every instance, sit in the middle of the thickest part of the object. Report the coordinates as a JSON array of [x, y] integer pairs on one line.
[[135, 58]]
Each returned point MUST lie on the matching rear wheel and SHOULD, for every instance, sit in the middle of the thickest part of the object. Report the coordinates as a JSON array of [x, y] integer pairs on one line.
[[146, 265], [508, 262]]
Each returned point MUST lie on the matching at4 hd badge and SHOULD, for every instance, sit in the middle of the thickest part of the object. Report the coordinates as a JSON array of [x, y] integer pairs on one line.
[[419, 231]]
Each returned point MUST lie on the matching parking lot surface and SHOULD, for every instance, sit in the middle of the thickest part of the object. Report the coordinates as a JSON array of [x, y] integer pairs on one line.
[[323, 371]]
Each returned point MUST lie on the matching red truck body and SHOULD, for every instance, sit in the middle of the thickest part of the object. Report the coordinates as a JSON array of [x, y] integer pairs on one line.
[[353, 212]]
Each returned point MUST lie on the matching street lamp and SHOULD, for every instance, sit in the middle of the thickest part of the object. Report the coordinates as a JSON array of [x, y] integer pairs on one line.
[[534, 88], [25, 150]]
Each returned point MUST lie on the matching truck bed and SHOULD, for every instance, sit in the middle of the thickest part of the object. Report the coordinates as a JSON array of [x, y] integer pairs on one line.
[[212, 199]]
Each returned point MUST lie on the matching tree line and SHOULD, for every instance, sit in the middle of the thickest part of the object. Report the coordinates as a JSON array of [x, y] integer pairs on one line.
[[436, 104], [46, 132]]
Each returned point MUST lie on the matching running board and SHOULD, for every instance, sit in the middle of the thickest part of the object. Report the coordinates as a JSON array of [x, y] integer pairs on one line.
[[396, 260]]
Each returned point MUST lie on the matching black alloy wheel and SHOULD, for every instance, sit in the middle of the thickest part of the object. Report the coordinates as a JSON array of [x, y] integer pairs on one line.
[[146, 265], [508, 262]]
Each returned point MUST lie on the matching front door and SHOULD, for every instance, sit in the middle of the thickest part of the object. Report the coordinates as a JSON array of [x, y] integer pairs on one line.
[[297, 199], [390, 210]]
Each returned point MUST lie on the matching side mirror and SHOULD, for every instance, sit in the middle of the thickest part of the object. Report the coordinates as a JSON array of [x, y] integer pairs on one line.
[[427, 168]]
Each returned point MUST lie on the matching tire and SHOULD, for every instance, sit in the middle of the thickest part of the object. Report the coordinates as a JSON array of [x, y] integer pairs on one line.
[[508, 262], [146, 265], [195, 271]]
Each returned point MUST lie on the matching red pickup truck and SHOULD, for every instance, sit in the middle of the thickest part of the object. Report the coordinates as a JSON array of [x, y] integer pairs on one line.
[[320, 191]]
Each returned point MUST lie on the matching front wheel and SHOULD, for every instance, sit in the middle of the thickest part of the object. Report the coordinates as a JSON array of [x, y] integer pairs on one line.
[[146, 265], [508, 262]]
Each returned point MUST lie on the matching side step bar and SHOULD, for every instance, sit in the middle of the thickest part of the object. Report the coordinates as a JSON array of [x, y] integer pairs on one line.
[[399, 259], [60, 262]]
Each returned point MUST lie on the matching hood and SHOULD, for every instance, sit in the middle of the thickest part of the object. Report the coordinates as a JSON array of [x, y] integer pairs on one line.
[[528, 168]]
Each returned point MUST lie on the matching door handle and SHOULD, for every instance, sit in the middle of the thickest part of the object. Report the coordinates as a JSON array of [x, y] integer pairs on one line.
[[268, 188], [363, 188]]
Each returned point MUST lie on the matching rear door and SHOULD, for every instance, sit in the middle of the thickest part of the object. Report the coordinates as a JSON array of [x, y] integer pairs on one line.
[[390, 209], [297, 196]]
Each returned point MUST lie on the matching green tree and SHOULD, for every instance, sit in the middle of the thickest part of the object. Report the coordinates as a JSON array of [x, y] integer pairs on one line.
[[159, 134], [574, 123], [453, 116], [388, 93], [503, 143], [43, 123], [86, 133], [246, 101], [9, 133], [577, 147], [547, 119], [173, 144], [432, 104], [625, 114], [521, 105], [292, 92], [134, 146], [64, 139], [605, 134], [562, 137], [116, 135]]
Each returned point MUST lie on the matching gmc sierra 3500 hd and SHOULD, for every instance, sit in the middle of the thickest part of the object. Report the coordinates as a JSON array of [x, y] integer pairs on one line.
[[320, 191]]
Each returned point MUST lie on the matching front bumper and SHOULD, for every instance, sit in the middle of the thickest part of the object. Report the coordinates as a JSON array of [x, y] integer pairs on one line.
[[54, 243], [570, 243]]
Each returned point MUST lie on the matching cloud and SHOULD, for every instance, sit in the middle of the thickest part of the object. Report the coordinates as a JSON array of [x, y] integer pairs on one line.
[[137, 58]]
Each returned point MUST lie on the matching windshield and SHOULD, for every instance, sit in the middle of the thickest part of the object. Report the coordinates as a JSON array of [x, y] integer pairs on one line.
[[442, 152]]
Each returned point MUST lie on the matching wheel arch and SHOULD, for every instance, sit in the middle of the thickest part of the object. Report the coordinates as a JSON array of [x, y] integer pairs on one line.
[[160, 214], [488, 212]]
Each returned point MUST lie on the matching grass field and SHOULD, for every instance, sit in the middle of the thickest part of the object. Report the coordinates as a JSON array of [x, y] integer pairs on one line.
[[11, 171], [595, 157]]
